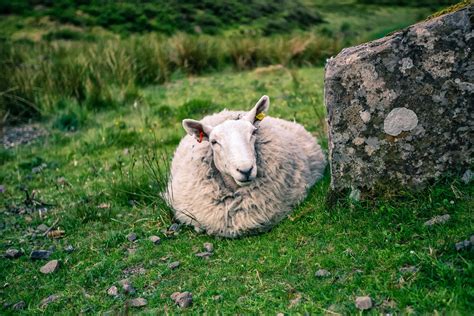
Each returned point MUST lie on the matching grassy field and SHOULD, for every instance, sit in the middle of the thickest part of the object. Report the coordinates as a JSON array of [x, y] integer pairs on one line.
[[96, 176], [99, 55]]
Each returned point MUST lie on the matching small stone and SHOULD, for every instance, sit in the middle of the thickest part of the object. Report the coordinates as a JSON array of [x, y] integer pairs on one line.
[[438, 220], [183, 300], [322, 273], [138, 302], [127, 286], [134, 270], [363, 302], [104, 205], [174, 227], [49, 300], [155, 239], [69, 249], [462, 245], [408, 269], [174, 265], [13, 253], [62, 181], [355, 195], [217, 297], [208, 247], [280, 314], [40, 254], [50, 267], [112, 291], [296, 300], [42, 228], [467, 176], [19, 306], [204, 254], [2, 188], [132, 237]]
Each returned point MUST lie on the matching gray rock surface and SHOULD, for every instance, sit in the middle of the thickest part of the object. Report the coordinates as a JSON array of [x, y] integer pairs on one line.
[[400, 109], [182, 299], [40, 254], [138, 302], [439, 219], [50, 267], [112, 291], [174, 265], [52, 298], [19, 306], [13, 253], [363, 302], [322, 273], [155, 239]]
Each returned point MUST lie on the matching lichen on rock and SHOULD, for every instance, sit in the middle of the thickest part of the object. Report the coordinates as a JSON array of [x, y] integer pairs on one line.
[[400, 108]]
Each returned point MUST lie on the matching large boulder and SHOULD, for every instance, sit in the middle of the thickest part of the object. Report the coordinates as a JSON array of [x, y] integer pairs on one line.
[[400, 109]]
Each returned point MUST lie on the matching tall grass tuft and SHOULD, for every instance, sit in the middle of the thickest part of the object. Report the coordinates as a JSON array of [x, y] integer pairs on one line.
[[34, 77]]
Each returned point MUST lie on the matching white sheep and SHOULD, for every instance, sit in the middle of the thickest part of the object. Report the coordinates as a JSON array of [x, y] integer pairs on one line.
[[237, 173]]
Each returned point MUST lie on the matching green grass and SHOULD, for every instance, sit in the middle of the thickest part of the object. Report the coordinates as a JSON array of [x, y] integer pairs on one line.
[[362, 244], [99, 55]]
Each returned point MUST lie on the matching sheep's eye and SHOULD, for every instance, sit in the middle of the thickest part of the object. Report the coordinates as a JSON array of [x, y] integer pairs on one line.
[[254, 132], [213, 142]]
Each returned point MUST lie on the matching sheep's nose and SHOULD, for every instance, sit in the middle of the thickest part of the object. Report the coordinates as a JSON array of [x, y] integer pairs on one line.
[[246, 172]]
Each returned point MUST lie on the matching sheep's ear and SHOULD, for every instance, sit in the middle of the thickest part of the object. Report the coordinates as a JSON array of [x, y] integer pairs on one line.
[[257, 113], [197, 129]]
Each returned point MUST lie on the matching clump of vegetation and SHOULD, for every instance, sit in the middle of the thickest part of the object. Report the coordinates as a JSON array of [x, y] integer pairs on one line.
[[99, 75], [168, 17]]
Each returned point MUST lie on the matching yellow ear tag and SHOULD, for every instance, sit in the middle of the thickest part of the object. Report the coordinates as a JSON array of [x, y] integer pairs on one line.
[[260, 116]]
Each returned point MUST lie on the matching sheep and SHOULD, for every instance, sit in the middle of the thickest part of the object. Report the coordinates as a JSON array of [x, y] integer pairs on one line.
[[237, 174]]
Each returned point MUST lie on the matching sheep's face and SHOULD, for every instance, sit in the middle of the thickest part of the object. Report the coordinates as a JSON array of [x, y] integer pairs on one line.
[[233, 143]]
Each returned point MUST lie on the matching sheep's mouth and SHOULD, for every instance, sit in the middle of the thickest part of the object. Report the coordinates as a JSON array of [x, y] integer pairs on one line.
[[243, 183]]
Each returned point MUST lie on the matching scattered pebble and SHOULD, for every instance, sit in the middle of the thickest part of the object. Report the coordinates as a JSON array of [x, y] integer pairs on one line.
[[39, 168], [438, 220], [62, 181], [322, 273], [2, 188], [173, 230], [48, 300], [155, 239], [280, 314], [69, 249], [50, 267], [132, 237], [112, 291], [217, 297], [104, 205], [363, 302], [138, 302], [204, 254], [42, 228], [174, 227], [134, 270], [40, 254], [174, 265], [13, 253], [208, 247], [465, 244], [296, 300], [467, 176], [183, 300], [127, 286], [355, 195], [19, 306], [408, 269], [14, 136]]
